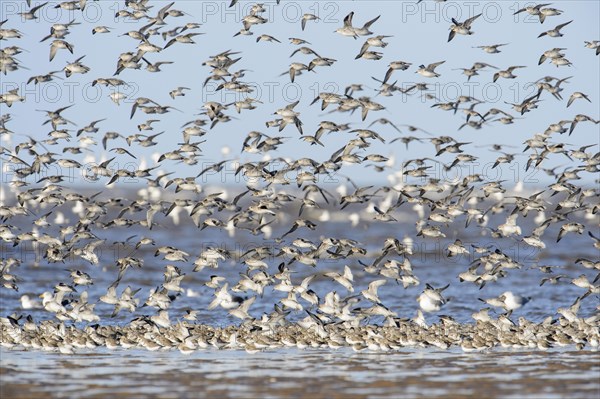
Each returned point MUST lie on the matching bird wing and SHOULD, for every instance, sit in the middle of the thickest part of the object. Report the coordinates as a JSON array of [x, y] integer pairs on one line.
[[559, 27], [451, 35], [348, 19], [435, 65], [371, 22], [53, 50], [469, 21]]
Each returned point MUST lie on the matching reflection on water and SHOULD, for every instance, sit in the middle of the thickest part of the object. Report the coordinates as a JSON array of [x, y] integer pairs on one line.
[[308, 373]]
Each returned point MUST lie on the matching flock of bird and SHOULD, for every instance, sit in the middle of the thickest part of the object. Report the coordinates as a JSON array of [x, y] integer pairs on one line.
[[69, 227]]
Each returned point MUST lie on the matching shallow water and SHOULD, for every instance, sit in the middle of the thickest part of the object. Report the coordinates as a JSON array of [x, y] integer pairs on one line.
[[314, 373]]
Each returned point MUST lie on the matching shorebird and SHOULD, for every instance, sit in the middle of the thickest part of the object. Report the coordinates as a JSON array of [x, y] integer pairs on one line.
[[594, 45], [349, 30], [556, 31], [577, 95], [532, 10], [346, 279], [185, 39], [513, 301], [371, 292], [507, 73], [100, 29], [307, 17], [30, 14], [431, 299], [150, 67], [547, 12], [266, 38], [57, 45], [429, 71], [493, 48], [11, 97], [462, 28]]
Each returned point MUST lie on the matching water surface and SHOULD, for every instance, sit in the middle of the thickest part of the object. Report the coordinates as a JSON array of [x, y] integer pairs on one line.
[[311, 373]]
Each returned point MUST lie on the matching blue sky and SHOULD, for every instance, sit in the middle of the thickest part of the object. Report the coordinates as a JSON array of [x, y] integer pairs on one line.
[[419, 36]]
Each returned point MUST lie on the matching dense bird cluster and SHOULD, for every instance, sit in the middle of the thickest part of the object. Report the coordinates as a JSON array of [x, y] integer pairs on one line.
[[284, 199]]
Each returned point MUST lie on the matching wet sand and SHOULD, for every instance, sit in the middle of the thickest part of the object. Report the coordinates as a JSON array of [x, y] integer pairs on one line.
[[294, 373]]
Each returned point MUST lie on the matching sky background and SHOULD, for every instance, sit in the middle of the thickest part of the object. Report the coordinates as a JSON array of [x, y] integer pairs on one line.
[[419, 33]]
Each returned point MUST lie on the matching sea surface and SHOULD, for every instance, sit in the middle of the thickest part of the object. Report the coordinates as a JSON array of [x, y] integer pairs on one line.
[[310, 373]]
